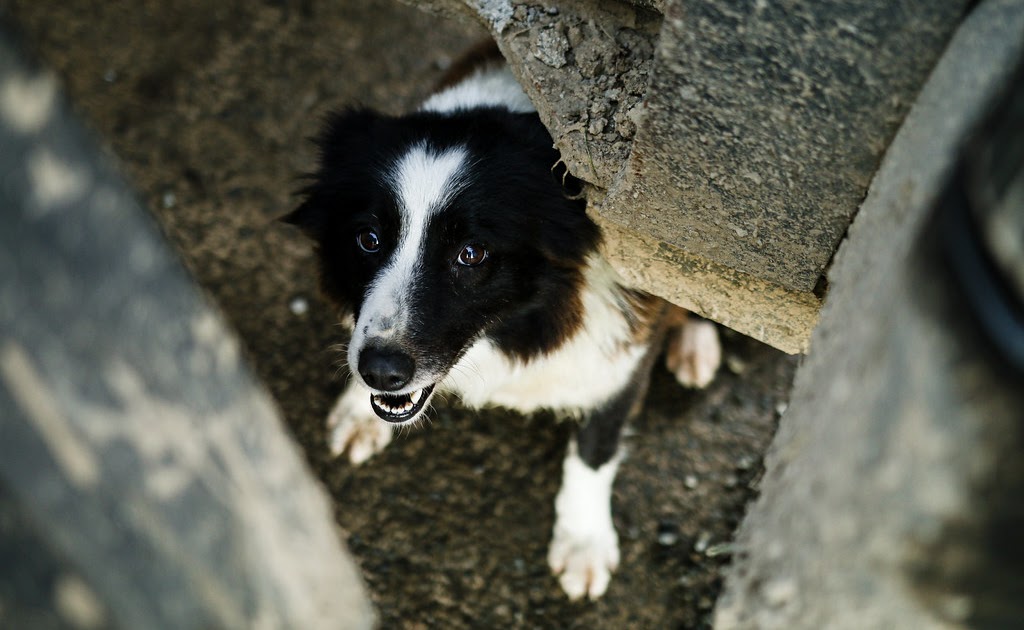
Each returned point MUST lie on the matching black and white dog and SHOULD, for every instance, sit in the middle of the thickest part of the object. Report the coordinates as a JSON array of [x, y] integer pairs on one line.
[[449, 242]]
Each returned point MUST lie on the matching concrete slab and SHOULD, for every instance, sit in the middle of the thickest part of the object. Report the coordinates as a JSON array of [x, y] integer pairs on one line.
[[739, 136]]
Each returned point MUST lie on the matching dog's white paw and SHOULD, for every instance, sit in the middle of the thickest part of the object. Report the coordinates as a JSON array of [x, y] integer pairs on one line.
[[584, 547], [694, 353], [584, 566], [356, 430]]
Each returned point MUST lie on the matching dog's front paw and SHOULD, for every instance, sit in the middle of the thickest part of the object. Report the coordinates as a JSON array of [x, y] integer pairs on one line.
[[356, 431], [694, 353], [584, 566]]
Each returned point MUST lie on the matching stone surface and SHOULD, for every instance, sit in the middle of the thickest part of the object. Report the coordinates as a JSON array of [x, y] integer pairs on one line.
[[740, 136], [891, 492], [764, 123]]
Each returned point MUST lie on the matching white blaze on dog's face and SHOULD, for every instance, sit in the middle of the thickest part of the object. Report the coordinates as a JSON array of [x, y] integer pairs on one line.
[[437, 230], [422, 181]]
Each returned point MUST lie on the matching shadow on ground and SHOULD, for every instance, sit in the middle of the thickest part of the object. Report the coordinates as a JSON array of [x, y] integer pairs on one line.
[[207, 105]]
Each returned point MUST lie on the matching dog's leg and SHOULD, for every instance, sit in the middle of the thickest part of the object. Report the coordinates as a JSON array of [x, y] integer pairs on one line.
[[693, 352], [585, 548], [355, 428]]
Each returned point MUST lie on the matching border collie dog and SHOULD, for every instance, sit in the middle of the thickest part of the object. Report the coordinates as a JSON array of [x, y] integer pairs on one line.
[[449, 242]]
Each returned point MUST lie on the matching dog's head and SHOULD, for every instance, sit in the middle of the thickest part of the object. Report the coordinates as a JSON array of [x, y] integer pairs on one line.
[[434, 231]]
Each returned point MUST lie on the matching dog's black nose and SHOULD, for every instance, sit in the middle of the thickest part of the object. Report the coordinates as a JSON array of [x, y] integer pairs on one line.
[[385, 370]]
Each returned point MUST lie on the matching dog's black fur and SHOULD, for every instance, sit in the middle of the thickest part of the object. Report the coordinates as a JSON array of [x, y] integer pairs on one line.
[[538, 236]]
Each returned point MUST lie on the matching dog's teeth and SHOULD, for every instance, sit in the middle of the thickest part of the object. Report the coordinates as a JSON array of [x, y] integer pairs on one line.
[[399, 405]]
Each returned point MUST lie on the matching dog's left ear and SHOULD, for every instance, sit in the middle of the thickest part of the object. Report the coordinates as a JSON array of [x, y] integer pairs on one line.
[[342, 138], [308, 217]]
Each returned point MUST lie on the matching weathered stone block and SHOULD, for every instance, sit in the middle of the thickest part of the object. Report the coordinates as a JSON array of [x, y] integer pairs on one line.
[[740, 134], [764, 123]]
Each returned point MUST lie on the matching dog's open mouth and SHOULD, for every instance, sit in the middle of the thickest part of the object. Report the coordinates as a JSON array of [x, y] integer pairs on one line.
[[400, 407]]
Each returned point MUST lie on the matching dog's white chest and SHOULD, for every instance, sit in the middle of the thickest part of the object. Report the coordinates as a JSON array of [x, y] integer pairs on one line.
[[576, 378], [592, 366]]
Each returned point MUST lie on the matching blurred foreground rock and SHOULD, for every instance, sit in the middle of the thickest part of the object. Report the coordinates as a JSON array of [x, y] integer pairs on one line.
[[891, 497], [146, 480]]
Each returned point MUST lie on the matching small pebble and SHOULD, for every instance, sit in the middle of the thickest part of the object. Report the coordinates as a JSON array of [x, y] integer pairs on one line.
[[299, 306], [720, 549], [735, 364], [551, 48], [110, 75], [745, 463], [781, 407], [690, 481], [443, 62], [169, 199], [703, 542], [668, 534]]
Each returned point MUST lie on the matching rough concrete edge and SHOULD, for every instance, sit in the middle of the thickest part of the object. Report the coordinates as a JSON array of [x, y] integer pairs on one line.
[[902, 189], [747, 305]]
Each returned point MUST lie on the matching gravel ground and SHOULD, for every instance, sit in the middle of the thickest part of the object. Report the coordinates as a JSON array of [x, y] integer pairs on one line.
[[207, 106]]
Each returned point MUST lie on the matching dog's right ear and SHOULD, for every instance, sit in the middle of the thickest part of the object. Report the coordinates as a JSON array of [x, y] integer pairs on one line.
[[345, 135]]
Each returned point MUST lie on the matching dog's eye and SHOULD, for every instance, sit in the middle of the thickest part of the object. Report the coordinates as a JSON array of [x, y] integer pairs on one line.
[[368, 241], [472, 255]]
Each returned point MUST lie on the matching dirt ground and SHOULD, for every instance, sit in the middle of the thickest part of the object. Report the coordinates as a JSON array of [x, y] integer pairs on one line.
[[207, 105]]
